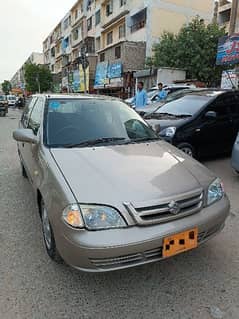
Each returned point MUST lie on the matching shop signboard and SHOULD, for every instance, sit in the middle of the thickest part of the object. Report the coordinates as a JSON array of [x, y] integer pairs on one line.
[[115, 70], [228, 50]]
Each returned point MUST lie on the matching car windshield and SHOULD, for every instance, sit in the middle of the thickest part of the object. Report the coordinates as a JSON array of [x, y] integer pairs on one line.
[[186, 105], [76, 122], [2, 98], [11, 98]]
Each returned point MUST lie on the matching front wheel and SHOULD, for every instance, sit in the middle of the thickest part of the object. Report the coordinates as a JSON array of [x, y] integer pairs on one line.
[[48, 235], [187, 149]]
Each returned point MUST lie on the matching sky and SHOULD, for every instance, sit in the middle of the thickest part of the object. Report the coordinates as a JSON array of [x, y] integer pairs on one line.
[[24, 25]]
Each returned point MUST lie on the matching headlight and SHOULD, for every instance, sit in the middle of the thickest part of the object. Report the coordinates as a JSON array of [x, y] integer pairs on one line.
[[101, 217], [215, 192], [169, 132], [72, 216]]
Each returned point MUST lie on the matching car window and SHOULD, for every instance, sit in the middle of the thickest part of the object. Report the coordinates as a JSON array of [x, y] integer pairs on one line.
[[2, 98], [27, 112], [234, 104], [221, 106], [186, 105], [36, 115], [72, 121]]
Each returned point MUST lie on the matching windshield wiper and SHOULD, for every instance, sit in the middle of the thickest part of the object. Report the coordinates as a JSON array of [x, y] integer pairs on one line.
[[183, 115], [145, 139], [95, 142]]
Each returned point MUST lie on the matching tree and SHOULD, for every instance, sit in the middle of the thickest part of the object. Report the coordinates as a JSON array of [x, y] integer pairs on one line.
[[193, 49], [38, 78], [6, 87]]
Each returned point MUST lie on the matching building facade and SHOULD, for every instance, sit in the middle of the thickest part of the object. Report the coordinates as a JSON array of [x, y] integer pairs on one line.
[[228, 15], [18, 79], [118, 36]]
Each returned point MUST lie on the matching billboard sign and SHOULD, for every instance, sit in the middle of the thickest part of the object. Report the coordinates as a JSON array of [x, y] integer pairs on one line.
[[101, 74], [228, 50]]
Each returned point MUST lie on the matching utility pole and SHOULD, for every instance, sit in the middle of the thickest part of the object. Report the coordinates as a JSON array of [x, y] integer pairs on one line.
[[83, 60], [38, 83], [234, 16]]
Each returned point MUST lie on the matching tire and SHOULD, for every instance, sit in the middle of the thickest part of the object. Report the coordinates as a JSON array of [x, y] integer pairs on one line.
[[2, 113], [24, 173], [48, 235], [187, 149]]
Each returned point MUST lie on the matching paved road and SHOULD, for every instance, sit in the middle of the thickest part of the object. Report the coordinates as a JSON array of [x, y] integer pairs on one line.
[[200, 284]]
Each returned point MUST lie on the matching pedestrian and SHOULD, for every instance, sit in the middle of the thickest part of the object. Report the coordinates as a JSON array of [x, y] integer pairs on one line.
[[141, 98], [64, 89], [162, 94]]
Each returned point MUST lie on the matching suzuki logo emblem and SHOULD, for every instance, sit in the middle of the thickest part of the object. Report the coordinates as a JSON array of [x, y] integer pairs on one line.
[[174, 207]]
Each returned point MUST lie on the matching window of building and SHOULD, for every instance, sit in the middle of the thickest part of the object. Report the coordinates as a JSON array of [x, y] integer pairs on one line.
[[122, 31], [97, 17], [53, 52], [118, 52], [102, 57], [110, 37], [109, 8], [122, 2], [138, 21], [89, 3], [75, 34], [89, 24], [97, 44], [66, 24], [76, 14], [52, 68]]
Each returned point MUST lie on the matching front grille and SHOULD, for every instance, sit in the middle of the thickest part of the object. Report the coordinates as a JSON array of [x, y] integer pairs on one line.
[[127, 260], [146, 256], [167, 210]]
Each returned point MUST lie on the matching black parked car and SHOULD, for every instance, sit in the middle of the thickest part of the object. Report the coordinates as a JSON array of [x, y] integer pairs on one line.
[[201, 123]]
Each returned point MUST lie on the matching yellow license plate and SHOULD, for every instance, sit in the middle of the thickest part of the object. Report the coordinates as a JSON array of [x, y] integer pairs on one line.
[[179, 243]]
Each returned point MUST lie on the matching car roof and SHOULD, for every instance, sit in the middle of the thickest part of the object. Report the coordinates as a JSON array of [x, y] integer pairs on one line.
[[76, 96]]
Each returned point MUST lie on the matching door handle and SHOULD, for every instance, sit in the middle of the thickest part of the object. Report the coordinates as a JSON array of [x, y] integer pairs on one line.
[[198, 130]]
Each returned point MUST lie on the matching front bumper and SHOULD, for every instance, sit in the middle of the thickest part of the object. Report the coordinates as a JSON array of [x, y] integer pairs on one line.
[[100, 251]]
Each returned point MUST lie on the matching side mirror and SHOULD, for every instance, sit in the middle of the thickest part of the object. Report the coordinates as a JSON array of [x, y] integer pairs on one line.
[[211, 115], [25, 136]]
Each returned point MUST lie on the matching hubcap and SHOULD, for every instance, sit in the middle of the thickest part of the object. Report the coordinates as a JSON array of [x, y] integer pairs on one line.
[[187, 150], [46, 228]]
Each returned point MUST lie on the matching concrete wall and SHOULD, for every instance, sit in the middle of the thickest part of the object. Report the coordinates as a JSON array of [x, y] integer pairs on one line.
[[132, 55]]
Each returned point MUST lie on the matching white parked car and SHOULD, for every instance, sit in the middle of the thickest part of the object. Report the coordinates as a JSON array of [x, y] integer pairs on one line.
[[11, 100]]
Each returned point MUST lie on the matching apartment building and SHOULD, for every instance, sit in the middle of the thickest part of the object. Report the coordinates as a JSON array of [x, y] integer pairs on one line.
[[228, 15], [118, 35], [18, 79]]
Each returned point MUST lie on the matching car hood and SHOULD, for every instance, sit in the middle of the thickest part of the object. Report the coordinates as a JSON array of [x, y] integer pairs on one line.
[[128, 173]]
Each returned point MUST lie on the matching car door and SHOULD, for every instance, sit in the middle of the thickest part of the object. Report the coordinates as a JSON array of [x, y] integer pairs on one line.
[[234, 113], [31, 151], [214, 135]]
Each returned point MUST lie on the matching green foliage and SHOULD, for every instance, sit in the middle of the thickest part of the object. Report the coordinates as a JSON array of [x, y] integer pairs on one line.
[[193, 49], [38, 78], [6, 87]]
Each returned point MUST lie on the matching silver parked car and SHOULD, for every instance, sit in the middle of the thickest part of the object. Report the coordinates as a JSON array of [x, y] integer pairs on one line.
[[110, 193], [235, 155]]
